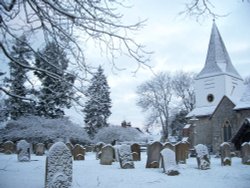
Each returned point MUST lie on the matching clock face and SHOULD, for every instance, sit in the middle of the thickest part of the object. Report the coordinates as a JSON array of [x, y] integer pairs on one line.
[[210, 98]]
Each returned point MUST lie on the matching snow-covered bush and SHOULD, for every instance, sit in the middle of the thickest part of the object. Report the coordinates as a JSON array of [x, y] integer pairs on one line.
[[120, 134], [36, 129]]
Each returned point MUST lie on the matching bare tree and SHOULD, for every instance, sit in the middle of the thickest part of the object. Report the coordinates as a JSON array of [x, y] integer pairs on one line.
[[155, 96], [183, 86], [64, 22]]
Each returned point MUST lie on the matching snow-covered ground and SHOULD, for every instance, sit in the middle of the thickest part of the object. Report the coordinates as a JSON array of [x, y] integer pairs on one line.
[[90, 174]]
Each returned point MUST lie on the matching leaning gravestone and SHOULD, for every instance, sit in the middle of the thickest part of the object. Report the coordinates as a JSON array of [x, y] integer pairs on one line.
[[245, 152], [202, 157], [125, 157], [136, 152], [153, 155], [58, 172], [107, 155], [225, 154], [169, 162], [23, 151], [78, 152], [9, 147], [40, 149], [181, 150]]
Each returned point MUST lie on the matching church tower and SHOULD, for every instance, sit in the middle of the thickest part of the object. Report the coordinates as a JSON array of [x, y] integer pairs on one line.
[[218, 77]]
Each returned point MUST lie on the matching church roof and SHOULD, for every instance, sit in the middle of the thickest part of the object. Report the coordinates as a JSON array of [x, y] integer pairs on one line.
[[244, 102], [201, 111], [218, 61]]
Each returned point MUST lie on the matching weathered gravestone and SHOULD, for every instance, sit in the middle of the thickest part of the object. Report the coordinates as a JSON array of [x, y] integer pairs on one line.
[[125, 157], [40, 149], [116, 150], [98, 148], [169, 146], [9, 147], [245, 153], [107, 155], [23, 151], [153, 155], [202, 157], [78, 152], [58, 172], [169, 162], [136, 152], [225, 152], [181, 151]]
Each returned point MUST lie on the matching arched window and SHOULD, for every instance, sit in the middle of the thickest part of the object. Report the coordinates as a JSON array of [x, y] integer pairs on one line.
[[227, 131]]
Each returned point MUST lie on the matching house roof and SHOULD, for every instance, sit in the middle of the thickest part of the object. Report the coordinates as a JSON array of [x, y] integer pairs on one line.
[[218, 61]]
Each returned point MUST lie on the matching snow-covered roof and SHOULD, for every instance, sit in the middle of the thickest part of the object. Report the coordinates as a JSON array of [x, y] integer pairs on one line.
[[244, 101], [201, 111], [218, 61], [187, 126]]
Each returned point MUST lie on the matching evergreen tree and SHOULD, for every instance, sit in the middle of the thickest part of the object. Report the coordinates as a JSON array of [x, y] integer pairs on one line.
[[56, 85], [97, 108], [17, 105]]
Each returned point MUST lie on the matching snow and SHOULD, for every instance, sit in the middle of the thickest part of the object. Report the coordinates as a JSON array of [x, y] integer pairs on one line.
[[244, 102], [90, 174], [201, 150], [201, 111]]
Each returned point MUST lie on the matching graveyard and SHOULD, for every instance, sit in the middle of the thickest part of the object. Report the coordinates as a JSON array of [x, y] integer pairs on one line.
[[91, 169]]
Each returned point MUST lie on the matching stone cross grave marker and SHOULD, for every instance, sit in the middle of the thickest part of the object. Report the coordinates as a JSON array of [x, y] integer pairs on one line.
[[169, 162], [23, 151], [58, 171], [153, 155]]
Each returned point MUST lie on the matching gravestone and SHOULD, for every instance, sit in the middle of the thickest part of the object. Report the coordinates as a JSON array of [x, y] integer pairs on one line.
[[153, 155], [245, 153], [169, 162], [107, 155], [116, 152], [40, 149], [78, 152], [125, 157], [58, 171], [9, 147], [202, 156], [136, 152], [23, 151], [225, 152], [98, 148], [169, 146], [181, 151]]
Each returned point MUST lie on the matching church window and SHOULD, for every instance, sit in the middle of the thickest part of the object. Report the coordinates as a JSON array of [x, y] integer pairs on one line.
[[227, 131], [210, 98]]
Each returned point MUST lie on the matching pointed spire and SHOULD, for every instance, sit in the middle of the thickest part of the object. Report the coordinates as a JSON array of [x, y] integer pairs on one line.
[[218, 61]]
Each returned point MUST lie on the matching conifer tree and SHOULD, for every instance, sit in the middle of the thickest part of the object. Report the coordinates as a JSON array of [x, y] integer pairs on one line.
[[17, 105], [56, 91], [98, 104]]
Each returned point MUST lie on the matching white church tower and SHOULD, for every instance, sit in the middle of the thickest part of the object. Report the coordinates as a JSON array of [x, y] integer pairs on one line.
[[217, 78]]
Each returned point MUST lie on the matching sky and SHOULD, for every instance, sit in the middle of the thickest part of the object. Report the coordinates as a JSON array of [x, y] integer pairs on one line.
[[179, 43]]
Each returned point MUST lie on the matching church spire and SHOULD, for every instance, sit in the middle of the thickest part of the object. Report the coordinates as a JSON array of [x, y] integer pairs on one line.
[[218, 61]]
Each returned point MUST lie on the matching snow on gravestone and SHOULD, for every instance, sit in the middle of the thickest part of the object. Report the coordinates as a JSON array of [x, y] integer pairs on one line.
[[125, 157], [202, 157], [225, 154], [107, 155], [98, 148], [23, 151], [153, 155], [169, 162], [245, 152], [58, 166]]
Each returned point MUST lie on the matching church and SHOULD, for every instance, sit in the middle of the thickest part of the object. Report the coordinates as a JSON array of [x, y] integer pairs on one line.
[[222, 100]]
